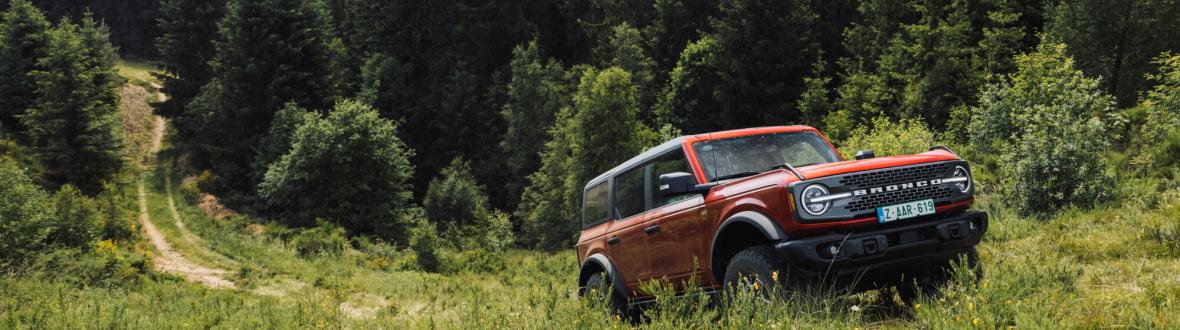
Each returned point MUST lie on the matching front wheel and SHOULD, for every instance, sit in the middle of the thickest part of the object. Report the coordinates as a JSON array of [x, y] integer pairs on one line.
[[754, 269]]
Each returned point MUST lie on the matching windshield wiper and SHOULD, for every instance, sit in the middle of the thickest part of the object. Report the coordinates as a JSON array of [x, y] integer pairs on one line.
[[789, 168], [736, 175]]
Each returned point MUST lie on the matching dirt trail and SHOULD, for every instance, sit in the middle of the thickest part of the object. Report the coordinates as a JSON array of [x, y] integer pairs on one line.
[[169, 260]]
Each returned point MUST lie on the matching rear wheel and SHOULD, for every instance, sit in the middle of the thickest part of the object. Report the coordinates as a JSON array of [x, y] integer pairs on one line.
[[599, 291], [755, 270], [930, 283]]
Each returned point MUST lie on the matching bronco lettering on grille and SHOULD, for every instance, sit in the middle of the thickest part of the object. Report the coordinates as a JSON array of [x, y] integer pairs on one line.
[[896, 187]]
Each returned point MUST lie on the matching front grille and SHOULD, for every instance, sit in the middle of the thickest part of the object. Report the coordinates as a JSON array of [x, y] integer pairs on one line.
[[895, 176], [874, 201]]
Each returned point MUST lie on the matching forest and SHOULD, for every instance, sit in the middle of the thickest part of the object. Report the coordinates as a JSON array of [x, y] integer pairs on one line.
[[420, 164]]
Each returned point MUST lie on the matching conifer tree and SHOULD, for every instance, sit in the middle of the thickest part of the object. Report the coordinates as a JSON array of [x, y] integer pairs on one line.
[[188, 30], [270, 52], [766, 48], [1115, 39], [73, 125], [24, 38]]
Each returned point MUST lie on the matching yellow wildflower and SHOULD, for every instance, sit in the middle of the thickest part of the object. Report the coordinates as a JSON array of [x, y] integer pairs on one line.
[[975, 321], [774, 276]]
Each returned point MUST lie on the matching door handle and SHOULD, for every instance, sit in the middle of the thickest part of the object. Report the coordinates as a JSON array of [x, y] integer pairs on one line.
[[613, 240], [652, 230]]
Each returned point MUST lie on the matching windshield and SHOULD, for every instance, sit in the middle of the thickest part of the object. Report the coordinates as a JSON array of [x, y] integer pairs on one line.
[[748, 155]]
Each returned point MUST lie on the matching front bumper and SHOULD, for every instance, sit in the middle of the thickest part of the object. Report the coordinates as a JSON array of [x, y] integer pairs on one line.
[[884, 255]]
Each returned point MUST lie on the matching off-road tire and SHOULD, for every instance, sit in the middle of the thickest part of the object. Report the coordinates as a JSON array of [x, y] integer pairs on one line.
[[755, 264], [931, 282], [597, 289]]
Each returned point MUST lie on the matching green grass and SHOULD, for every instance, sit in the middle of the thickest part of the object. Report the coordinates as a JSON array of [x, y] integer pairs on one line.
[[1115, 266], [137, 72]]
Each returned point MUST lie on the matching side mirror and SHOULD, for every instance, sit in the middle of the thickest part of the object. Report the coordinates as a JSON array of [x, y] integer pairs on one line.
[[681, 183], [865, 154]]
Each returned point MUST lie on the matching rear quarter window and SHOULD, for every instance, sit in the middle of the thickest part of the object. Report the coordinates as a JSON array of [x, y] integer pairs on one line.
[[595, 204]]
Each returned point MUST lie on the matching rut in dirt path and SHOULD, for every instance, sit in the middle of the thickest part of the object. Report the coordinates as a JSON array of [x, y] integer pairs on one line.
[[169, 260]]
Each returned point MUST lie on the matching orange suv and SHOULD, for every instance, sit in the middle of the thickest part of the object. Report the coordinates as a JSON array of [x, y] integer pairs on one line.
[[740, 206]]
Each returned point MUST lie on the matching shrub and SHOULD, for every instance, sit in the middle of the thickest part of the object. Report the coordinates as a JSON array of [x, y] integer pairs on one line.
[[24, 222], [459, 208], [454, 201], [424, 241], [116, 219], [889, 138], [1045, 124], [349, 167], [319, 241], [74, 219]]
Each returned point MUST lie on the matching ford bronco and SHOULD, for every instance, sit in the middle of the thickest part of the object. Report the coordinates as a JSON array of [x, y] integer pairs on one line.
[[743, 206]]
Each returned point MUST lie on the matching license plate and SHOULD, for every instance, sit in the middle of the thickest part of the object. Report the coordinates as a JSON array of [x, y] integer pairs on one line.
[[905, 210]]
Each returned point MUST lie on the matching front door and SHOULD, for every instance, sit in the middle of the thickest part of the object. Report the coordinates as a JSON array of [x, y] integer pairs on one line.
[[676, 228]]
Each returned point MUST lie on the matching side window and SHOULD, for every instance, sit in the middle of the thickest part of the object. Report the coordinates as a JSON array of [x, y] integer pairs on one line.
[[668, 163], [629, 198], [594, 204]]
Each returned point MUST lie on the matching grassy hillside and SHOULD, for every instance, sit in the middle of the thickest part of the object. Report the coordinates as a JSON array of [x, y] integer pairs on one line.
[[1114, 266]]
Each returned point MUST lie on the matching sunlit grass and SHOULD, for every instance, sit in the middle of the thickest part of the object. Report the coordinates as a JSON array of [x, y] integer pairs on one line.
[[1110, 267], [137, 72]]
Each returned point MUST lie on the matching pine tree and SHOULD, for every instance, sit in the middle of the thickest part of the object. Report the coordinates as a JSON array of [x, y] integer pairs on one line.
[[1116, 39], [766, 49], [536, 92], [73, 125], [24, 38], [270, 52], [188, 30]]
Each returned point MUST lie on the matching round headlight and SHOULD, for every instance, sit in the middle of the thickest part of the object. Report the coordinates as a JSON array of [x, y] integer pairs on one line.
[[812, 192], [961, 172]]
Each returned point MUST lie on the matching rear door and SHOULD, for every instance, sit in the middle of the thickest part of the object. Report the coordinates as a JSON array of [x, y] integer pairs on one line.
[[627, 244]]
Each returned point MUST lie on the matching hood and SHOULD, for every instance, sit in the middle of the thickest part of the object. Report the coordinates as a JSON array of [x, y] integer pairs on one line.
[[849, 166]]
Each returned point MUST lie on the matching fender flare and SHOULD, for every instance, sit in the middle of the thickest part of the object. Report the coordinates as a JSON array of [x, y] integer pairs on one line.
[[768, 227], [602, 261]]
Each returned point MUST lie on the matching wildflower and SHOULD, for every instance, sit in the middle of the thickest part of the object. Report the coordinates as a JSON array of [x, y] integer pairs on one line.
[[917, 306], [774, 276], [975, 321], [855, 308], [756, 286], [970, 306]]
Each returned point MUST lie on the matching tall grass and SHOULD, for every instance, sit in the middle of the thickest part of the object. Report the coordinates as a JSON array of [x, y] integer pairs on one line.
[[1113, 266]]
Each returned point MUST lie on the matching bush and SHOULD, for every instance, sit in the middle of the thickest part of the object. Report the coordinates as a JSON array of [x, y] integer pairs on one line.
[[349, 167], [24, 222], [320, 241], [459, 208], [424, 241], [1045, 124], [455, 202], [889, 138], [75, 219]]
